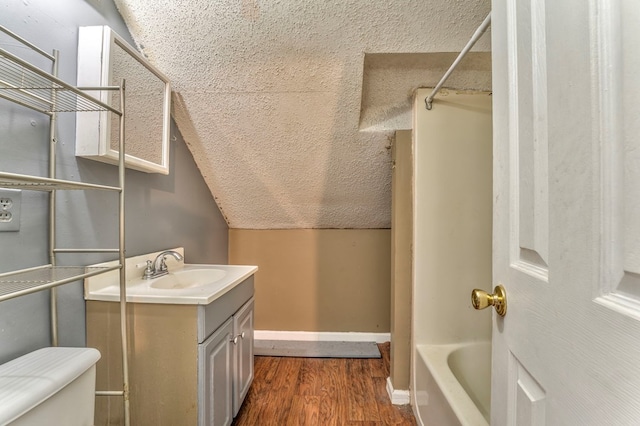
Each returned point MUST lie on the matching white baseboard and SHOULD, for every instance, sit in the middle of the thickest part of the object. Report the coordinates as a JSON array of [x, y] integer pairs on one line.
[[397, 396], [321, 336]]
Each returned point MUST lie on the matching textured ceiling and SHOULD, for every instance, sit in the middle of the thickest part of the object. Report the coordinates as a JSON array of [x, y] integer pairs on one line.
[[273, 99]]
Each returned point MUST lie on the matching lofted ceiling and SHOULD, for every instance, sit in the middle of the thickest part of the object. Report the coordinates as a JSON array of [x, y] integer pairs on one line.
[[289, 106]]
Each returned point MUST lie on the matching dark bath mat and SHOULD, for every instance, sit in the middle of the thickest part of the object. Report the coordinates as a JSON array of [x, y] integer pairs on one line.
[[314, 349]]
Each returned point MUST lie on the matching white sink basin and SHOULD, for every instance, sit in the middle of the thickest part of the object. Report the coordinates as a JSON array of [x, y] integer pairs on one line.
[[185, 284], [188, 278]]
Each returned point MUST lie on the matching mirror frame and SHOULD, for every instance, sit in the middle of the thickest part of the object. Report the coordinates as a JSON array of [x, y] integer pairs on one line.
[[93, 130]]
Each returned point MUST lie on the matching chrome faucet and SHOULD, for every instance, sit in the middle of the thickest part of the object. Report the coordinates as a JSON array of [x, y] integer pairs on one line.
[[158, 267]]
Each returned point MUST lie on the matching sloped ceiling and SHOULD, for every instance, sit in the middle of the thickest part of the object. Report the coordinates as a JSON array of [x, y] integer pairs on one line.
[[268, 96]]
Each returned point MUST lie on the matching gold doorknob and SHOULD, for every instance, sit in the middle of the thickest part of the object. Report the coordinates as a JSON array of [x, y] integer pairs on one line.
[[481, 299]]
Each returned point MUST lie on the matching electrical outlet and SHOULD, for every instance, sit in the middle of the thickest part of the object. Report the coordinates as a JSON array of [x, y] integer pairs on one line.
[[10, 208]]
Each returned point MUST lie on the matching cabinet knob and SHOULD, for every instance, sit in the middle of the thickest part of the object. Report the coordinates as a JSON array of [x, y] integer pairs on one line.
[[242, 335], [235, 340]]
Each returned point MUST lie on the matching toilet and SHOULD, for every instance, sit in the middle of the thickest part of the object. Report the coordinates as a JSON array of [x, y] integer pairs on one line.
[[50, 386]]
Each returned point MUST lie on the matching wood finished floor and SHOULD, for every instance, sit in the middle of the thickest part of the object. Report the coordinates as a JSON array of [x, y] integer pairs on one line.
[[323, 392]]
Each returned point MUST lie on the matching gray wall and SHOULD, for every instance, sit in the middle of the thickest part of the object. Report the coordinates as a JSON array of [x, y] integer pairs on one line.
[[161, 211]]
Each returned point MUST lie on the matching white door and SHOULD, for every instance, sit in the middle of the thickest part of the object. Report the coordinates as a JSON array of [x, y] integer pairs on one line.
[[566, 110]]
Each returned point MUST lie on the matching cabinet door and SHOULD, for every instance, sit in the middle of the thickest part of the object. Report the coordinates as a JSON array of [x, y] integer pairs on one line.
[[215, 359], [243, 359]]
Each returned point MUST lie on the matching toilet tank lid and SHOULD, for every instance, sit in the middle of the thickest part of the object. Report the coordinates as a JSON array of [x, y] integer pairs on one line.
[[27, 381]]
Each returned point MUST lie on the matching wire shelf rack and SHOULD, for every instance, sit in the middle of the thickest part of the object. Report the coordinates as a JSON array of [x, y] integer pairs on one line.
[[27, 85], [36, 183], [20, 283]]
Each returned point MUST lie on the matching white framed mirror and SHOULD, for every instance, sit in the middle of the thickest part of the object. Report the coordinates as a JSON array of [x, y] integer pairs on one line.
[[104, 59]]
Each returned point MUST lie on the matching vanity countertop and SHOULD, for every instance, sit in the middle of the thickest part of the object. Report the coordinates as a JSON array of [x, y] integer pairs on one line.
[[191, 284], [143, 291]]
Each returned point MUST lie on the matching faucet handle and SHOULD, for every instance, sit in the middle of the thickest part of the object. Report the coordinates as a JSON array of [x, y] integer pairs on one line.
[[163, 263], [148, 271]]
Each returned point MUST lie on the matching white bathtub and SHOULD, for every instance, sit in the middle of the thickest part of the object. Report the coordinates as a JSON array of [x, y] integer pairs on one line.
[[453, 384]]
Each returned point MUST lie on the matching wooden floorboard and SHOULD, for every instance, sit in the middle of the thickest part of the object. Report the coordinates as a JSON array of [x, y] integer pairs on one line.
[[322, 392]]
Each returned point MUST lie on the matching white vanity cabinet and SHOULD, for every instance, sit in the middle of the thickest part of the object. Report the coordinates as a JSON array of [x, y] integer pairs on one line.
[[215, 359], [243, 354], [184, 365], [225, 362]]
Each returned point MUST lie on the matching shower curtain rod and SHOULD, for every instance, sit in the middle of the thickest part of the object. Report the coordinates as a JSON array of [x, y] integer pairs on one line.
[[481, 29]]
